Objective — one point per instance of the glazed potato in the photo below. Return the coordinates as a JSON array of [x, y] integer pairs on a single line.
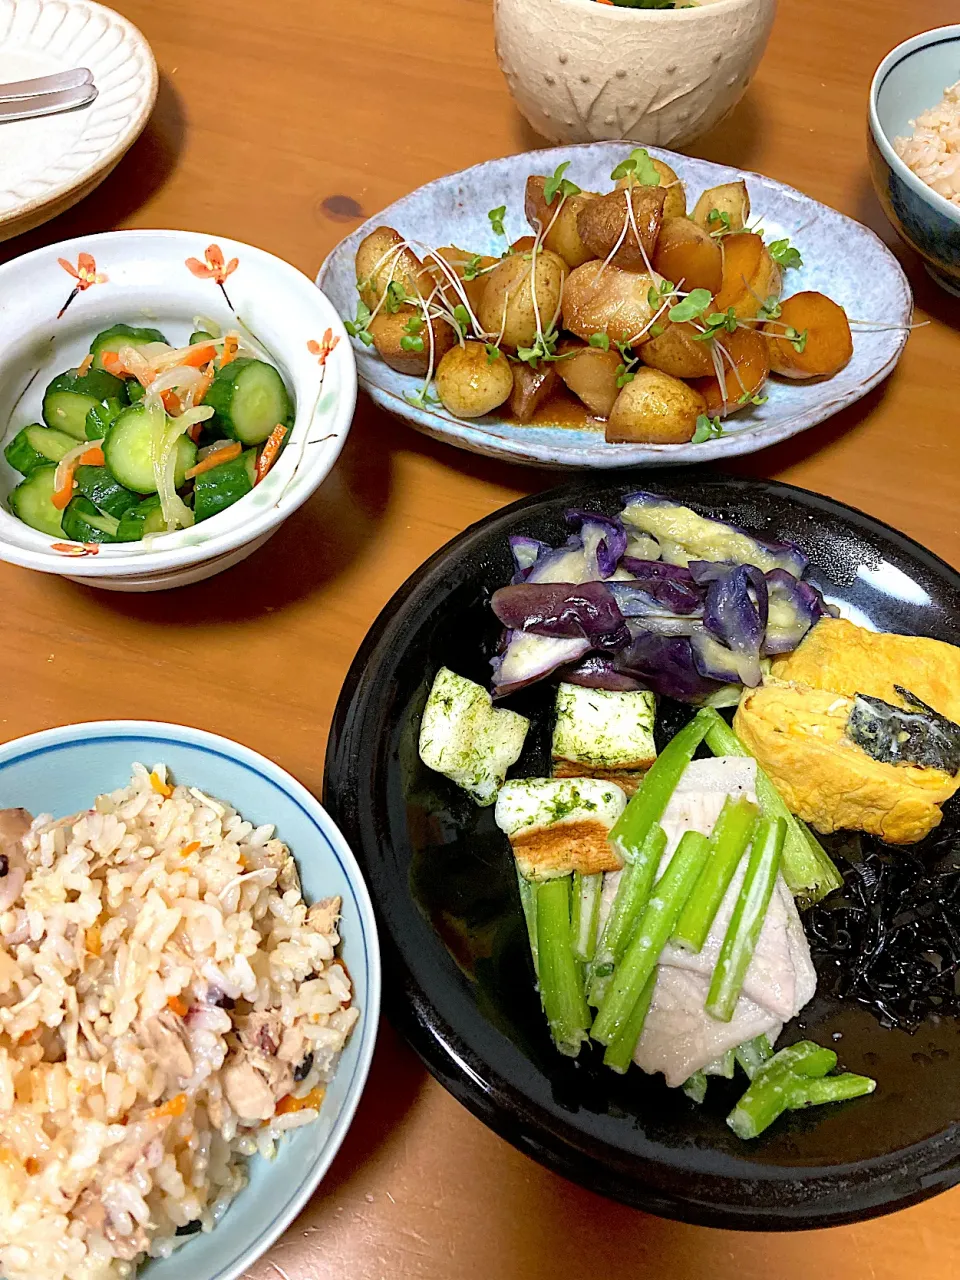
[[531, 387], [469, 383], [675, 203], [598, 299], [388, 332], [746, 349], [730, 198], [750, 275], [686, 254], [507, 304], [563, 238], [380, 261], [591, 374], [678, 352], [828, 344], [458, 260], [654, 409], [523, 245], [601, 225]]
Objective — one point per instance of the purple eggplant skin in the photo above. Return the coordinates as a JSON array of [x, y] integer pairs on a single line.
[[666, 665], [794, 608], [526, 658], [598, 671], [563, 610], [526, 552], [604, 534], [670, 584]]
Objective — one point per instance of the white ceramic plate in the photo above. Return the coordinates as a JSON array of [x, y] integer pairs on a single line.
[[47, 165], [840, 258]]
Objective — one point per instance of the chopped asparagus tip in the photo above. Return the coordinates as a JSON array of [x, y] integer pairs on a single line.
[[771, 1090], [813, 1093], [633, 894], [619, 1054], [656, 925], [728, 843], [746, 922], [753, 1054], [528, 900], [696, 1087], [586, 915], [561, 988]]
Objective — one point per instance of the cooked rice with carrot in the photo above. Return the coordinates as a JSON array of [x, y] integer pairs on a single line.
[[933, 149], [169, 1006]]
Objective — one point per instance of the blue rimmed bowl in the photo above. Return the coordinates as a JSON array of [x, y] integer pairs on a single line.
[[61, 771], [910, 80]]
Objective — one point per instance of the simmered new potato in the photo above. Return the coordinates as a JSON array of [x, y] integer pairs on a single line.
[[747, 349], [599, 299], [675, 202], [470, 384], [677, 351], [517, 291], [730, 199], [606, 221], [828, 344], [388, 332], [750, 275], [458, 260], [591, 374], [531, 387], [654, 409], [563, 237], [686, 255], [380, 260]]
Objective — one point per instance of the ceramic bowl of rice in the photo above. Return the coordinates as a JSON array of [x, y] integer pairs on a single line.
[[188, 1002], [914, 147]]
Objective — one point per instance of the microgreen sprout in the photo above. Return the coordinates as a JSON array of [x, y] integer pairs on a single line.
[[493, 352], [473, 268], [411, 340], [422, 398], [496, 217], [461, 317], [691, 307], [797, 339], [707, 429], [656, 294], [752, 397], [600, 340], [717, 322], [784, 254], [395, 297], [559, 183], [770, 308], [639, 168], [544, 348], [625, 372], [719, 223], [357, 328]]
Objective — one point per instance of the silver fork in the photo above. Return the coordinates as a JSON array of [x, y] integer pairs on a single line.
[[47, 95]]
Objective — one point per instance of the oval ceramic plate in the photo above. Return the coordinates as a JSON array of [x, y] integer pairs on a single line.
[[459, 980], [840, 258], [48, 164]]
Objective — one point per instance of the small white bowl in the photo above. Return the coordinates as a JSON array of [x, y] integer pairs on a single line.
[[586, 72], [47, 320]]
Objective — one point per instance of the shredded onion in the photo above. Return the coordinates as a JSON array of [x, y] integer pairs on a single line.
[[217, 445], [135, 363], [181, 379], [66, 463], [171, 357], [203, 324]]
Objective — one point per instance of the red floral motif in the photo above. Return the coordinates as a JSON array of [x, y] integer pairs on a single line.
[[214, 267], [85, 273], [75, 548], [322, 349]]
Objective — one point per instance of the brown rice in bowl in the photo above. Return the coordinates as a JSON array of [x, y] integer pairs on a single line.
[[169, 1006], [933, 149]]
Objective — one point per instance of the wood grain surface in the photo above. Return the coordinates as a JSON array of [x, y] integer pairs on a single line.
[[284, 125]]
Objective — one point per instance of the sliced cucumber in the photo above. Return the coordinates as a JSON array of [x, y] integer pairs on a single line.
[[71, 396], [32, 502], [200, 335], [135, 392], [82, 522], [97, 484], [221, 487], [146, 517], [249, 399], [36, 445], [102, 417], [121, 335], [129, 448]]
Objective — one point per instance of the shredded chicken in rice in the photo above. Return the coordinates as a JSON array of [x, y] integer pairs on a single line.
[[169, 1005]]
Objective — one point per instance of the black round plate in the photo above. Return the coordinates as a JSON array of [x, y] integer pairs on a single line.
[[458, 979]]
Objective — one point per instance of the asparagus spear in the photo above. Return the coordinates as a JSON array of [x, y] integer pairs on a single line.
[[753, 1054], [528, 900], [657, 923], [807, 868], [813, 1093], [633, 893], [561, 988], [619, 1054], [586, 914], [747, 919], [724, 1066], [771, 1091], [728, 843], [696, 1087]]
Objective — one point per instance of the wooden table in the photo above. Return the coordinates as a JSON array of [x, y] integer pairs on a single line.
[[286, 124]]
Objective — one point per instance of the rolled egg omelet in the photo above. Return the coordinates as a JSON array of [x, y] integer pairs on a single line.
[[796, 726]]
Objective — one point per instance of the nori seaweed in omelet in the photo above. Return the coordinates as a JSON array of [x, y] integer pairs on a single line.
[[915, 734]]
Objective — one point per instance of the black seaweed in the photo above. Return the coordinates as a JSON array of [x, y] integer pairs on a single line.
[[4, 865], [303, 1068], [890, 938], [896, 735], [190, 1229]]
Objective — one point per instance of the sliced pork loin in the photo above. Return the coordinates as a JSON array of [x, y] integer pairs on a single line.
[[679, 1036]]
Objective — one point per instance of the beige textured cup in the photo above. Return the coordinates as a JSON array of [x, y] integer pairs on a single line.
[[582, 72]]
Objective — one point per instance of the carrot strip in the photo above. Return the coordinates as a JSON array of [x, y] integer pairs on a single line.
[[231, 345], [198, 356], [92, 458], [174, 1107], [289, 1103], [204, 387], [160, 787], [85, 364], [92, 940], [111, 362], [270, 451], [176, 1005], [171, 402], [187, 849], [62, 496], [215, 459]]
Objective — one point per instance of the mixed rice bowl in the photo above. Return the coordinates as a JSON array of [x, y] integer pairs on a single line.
[[169, 1006], [933, 149]]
